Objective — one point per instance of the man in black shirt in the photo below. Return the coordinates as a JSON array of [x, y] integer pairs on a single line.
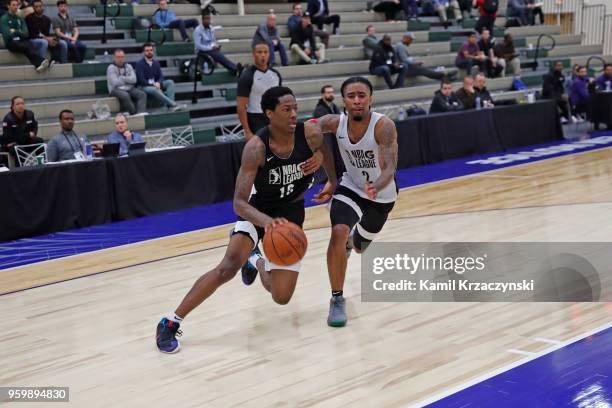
[[553, 87], [319, 10], [19, 127], [303, 44], [445, 100], [482, 92], [486, 45], [39, 27], [385, 63], [252, 84], [326, 105]]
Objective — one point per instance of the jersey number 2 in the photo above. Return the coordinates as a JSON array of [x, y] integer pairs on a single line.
[[366, 175], [286, 192]]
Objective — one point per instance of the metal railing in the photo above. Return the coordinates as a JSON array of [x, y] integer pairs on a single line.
[[105, 14], [204, 65]]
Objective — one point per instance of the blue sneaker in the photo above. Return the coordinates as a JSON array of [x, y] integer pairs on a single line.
[[249, 271], [337, 312], [167, 331]]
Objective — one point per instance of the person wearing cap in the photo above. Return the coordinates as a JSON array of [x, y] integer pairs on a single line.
[[416, 68], [384, 63], [303, 44], [205, 42]]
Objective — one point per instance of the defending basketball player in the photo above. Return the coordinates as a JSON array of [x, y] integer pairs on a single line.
[[367, 191], [277, 167]]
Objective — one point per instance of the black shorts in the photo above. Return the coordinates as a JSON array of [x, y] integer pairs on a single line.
[[293, 212], [349, 208]]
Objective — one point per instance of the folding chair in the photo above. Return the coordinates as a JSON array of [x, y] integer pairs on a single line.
[[27, 155]]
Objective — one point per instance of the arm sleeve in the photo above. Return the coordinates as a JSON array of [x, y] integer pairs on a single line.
[[112, 76], [52, 152], [130, 74], [245, 82]]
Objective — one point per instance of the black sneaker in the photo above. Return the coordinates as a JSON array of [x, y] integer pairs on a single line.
[[167, 331], [249, 271]]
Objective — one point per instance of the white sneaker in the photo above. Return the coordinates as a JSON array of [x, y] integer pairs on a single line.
[[43, 66], [563, 120]]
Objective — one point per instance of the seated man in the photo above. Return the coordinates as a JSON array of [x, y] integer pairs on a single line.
[[604, 81], [121, 79], [553, 87], [445, 100], [19, 127], [67, 145], [123, 135], [166, 18], [303, 44], [469, 55], [39, 27], [442, 6], [389, 7], [150, 79], [296, 17], [370, 42], [319, 11], [384, 63], [267, 33], [66, 29], [482, 92], [15, 35], [206, 43], [580, 95], [506, 54], [486, 45], [519, 9], [416, 68], [467, 95]]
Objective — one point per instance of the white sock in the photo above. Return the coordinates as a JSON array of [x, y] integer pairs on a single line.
[[254, 258], [174, 318]]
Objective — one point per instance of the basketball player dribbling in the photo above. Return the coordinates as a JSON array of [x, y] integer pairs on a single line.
[[276, 169], [367, 190]]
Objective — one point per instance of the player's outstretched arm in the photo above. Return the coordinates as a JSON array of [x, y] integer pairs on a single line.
[[386, 137], [253, 156], [316, 141]]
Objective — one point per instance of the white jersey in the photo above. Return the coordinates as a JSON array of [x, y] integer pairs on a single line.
[[362, 161]]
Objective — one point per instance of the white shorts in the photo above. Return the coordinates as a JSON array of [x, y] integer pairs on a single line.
[[247, 228]]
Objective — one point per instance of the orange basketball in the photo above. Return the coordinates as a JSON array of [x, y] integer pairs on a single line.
[[285, 244]]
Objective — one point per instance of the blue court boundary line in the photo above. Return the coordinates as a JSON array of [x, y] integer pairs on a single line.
[[447, 393], [63, 244]]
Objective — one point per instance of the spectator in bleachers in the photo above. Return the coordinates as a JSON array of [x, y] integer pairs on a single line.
[[39, 27], [466, 8], [206, 43], [604, 81], [445, 100], [303, 43], [15, 34], [385, 63], [319, 10], [389, 7], [326, 105], [19, 127], [370, 42], [121, 79], [123, 135], [482, 92], [536, 10], [519, 9], [150, 78], [488, 13], [506, 55], [166, 18], [579, 95], [255, 80], [267, 33], [469, 55], [553, 87], [294, 21], [67, 144], [416, 68], [568, 79], [486, 45], [442, 7], [67, 31], [467, 94]]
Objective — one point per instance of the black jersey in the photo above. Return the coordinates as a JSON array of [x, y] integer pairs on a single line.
[[281, 181]]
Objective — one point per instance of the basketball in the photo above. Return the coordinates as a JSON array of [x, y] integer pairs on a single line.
[[285, 244]]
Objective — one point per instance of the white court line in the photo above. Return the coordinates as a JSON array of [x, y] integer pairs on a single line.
[[545, 340], [521, 352], [507, 367]]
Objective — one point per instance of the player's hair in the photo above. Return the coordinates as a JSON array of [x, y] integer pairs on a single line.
[[147, 44], [255, 44], [13, 99], [357, 80], [324, 87], [270, 98], [64, 111]]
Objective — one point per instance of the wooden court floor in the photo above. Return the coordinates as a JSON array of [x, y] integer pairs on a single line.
[[96, 334]]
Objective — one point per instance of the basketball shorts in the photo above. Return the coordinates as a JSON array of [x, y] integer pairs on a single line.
[[349, 208], [293, 212]]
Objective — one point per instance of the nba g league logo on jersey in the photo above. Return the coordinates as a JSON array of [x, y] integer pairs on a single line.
[[286, 174], [361, 159]]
